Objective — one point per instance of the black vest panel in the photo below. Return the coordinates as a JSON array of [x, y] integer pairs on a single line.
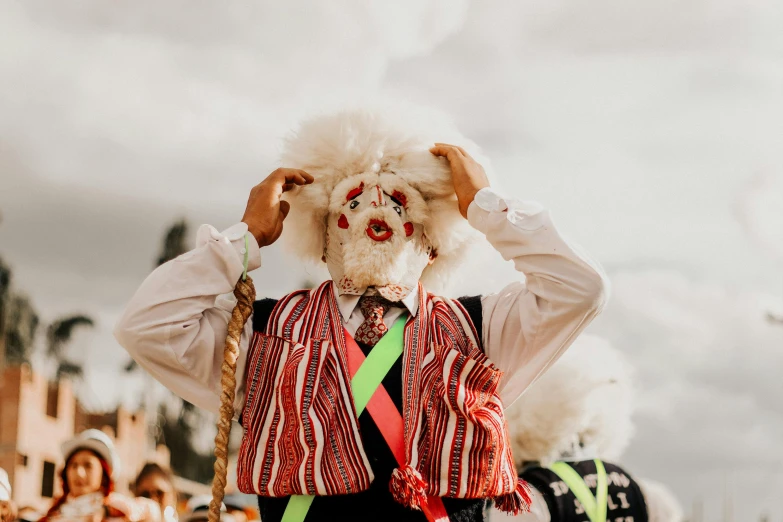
[[625, 502]]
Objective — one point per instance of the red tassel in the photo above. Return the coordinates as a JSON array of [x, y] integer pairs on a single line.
[[407, 487], [517, 501]]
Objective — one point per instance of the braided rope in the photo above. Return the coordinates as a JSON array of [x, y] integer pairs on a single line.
[[245, 293]]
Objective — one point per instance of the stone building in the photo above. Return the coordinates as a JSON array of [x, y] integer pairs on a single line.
[[36, 416]]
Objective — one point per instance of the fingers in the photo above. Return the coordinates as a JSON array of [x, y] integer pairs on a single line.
[[295, 176], [290, 178], [448, 152], [456, 147], [287, 179], [285, 208], [452, 153]]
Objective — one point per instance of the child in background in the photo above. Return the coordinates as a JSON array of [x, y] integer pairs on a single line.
[[91, 465]]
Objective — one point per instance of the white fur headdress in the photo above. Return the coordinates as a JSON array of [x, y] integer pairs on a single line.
[[385, 140], [586, 398]]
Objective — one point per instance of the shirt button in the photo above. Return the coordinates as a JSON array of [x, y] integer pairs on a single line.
[[243, 250]]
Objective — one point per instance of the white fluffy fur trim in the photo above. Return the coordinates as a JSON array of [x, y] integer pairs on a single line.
[[587, 396], [662, 505], [388, 140]]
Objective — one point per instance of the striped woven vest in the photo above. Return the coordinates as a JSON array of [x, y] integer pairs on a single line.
[[301, 429]]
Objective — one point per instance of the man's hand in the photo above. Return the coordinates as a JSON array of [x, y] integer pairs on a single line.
[[265, 211], [467, 175]]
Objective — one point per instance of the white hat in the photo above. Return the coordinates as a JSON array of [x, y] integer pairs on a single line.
[[96, 441], [5, 486]]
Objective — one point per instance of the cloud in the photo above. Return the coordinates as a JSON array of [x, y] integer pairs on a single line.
[[117, 120], [160, 101], [760, 210], [709, 403], [636, 124], [614, 26]]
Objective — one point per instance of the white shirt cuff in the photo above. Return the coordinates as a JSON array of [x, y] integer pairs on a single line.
[[235, 236], [525, 215]]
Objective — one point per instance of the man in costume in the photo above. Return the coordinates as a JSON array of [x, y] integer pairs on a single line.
[[567, 432], [370, 398]]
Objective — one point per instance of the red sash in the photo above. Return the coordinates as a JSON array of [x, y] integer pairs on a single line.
[[389, 421]]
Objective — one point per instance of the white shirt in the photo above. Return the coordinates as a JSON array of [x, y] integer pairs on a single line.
[[175, 325]]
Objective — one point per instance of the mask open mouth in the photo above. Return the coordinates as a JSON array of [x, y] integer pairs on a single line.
[[378, 230]]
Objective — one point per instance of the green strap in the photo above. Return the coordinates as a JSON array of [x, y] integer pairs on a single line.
[[602, 490], [297, 508], [367, 379], [595, 507], [379, 361]]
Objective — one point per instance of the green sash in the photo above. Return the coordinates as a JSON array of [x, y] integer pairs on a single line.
[[363, 385], [595, 507]]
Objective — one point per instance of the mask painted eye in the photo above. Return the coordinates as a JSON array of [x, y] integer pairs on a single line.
[[398, 210], [354, 204]]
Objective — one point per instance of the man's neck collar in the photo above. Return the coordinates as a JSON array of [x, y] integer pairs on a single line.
[[348, 302]]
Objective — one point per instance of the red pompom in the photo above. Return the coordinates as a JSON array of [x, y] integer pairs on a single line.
[[407, 487]]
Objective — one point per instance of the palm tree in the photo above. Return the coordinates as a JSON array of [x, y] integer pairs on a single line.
[[5, 292], [174, 244], [5, 288], [58, 335], [18, 322], [176, 430], [21, 324]]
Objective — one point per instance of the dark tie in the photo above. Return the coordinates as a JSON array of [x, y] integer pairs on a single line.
[[372, 329]]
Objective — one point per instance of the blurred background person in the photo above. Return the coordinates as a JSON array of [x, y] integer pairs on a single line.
[[7, 507], [198, 509], [91, 463], [237, 506], [28, 514], [157, 484], [568, 434]]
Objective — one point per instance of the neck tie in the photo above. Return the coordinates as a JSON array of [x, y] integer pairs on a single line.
[[372, 329]]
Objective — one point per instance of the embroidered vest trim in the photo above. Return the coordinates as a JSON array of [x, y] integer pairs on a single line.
[[301, 428]]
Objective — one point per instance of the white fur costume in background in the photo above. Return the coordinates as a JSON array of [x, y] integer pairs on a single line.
[[580, 409]]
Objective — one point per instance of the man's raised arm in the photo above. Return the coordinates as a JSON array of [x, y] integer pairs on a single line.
[[175, 325]]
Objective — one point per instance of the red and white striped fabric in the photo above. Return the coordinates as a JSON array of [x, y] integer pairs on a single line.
[[301, 428]]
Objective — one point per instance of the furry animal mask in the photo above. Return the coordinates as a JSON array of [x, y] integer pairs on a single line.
[[379, 154]]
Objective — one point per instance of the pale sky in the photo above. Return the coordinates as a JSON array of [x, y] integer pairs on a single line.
[[651, 130]]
